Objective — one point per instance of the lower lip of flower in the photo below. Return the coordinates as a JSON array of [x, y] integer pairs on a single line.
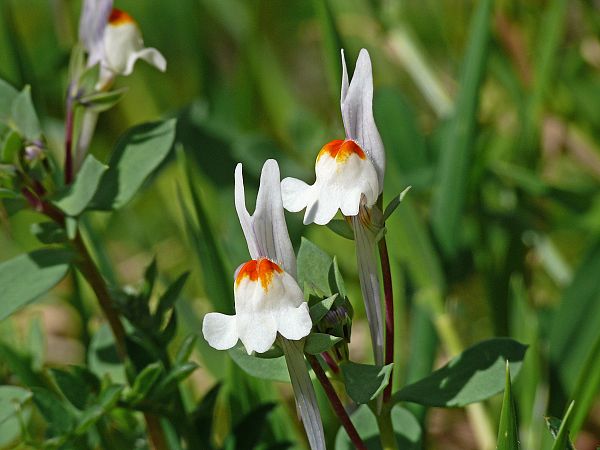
[[261, 269]]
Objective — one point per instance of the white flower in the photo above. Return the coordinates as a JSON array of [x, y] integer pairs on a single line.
[[268, 299], [348, 172], [114, 40]]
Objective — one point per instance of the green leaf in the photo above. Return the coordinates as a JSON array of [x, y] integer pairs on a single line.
[[137, 154], [8, 94], [246, 434], [49, 232], [106, 401], [204, 415], [335, 277], [174, 377], [103, 359], [476, 374], [216, 279], [28, 276], [60, 418], [364, 382], [12, 403], [21, 366], [144, 382], [313, 268], [574, 340], [73, 387], [170, 296], [456, 156], [406, 428], [102, 101], [273, 369], [185, 349], [24, 117], [562, 437], [317, 343], [78, 195], [553, 425], [342, 228], [318, 310], [10, 147], [391, 207], [508, 433]]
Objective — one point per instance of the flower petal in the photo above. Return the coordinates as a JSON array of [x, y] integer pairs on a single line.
[[296, 194], [266, 231], [220, 330], [257, 331], [294, 323], [92, 22], [150, 55], [357, 112]]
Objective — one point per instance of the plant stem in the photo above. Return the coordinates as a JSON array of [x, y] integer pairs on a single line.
[[389, 312], [336, 403], [386, 430], [69, 139], [94, 278]]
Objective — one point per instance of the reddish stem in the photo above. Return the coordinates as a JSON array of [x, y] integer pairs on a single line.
[[330, 362], [389, 312], [69, 141], [336, 403]]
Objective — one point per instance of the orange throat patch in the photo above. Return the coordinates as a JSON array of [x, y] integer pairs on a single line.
[[119, 17], [261, 269], [341, 150]]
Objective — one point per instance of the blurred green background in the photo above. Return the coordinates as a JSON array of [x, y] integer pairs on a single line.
[[492, 115]]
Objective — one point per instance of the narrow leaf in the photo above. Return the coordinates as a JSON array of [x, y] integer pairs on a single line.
[[456, 154], [508, 433], [562, 437]]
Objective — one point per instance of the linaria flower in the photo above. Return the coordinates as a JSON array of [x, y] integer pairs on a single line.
[[113, 39], [269, 304], [265, 290], [349, 177], [350, 171]]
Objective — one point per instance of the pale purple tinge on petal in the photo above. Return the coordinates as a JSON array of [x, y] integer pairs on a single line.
[[369, 284], [92, 22], [220, 330], [266, 231], [357, 112]]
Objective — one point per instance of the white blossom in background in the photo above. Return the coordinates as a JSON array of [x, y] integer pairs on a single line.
[[349, 178], [269, 304], [113, 39]]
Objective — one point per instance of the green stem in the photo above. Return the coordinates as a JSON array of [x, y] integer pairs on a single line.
[[386, 430]]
